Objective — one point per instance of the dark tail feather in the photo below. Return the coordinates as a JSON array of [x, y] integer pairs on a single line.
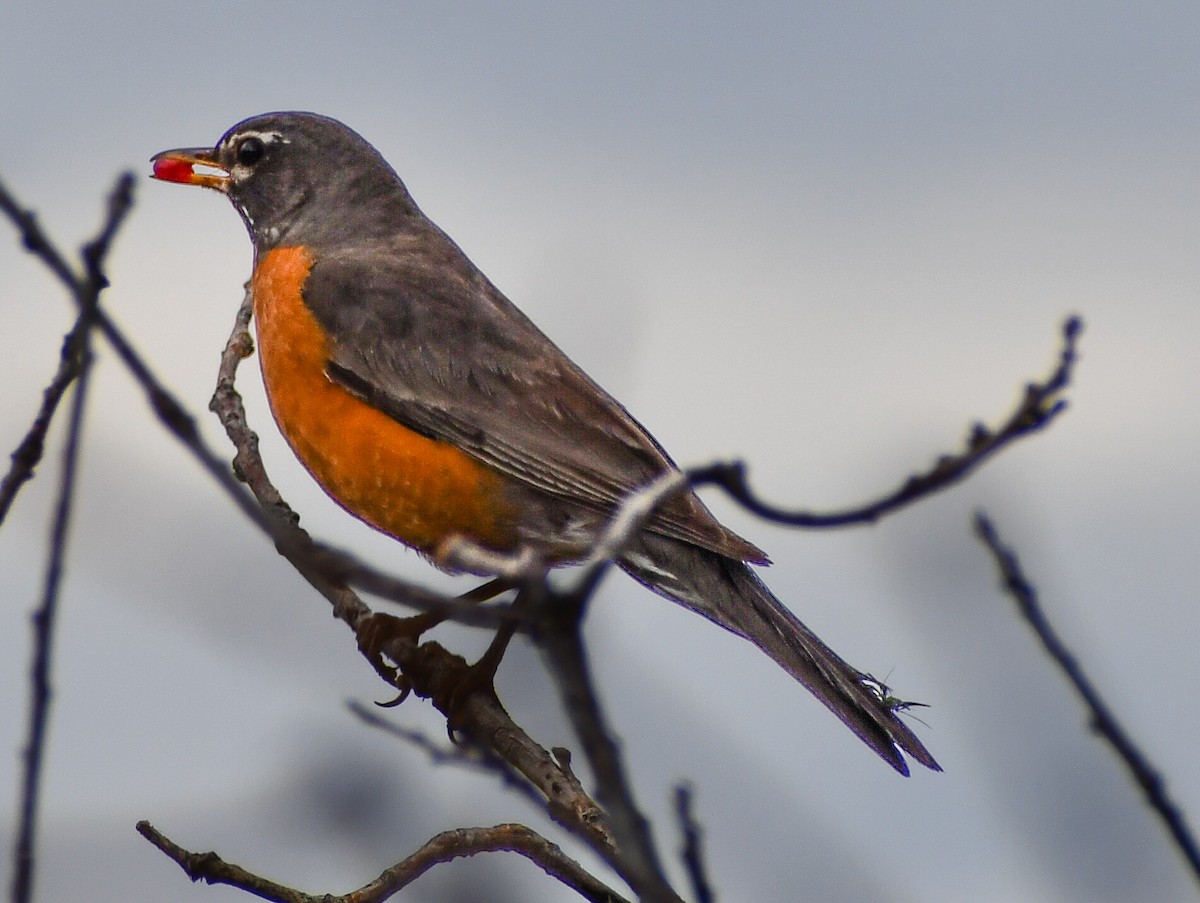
[[728, 592]]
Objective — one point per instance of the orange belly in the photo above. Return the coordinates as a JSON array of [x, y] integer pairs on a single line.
[[416, 489]]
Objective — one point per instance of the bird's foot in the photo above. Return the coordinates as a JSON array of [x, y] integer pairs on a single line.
[[479, 678], [379, 629]]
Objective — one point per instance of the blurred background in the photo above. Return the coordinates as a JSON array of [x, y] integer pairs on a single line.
[[821, 237]]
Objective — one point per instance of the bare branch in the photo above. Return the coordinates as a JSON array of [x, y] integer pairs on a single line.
[[1100, 716], [448, 845], [170, 411], [1040, 404], [626, 523], [554, 618], [95, 252], [469, 841], [212, 869]]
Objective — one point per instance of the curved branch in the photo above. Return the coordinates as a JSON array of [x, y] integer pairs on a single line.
[[449, 845], [1040, 404]]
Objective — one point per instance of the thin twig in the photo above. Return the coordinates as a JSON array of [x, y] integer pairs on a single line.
[[1101, 717], [626, 523], [35, 240], [170, 411], [43, 625], [556, 618], [471, 756], [693, 851], [1040, 404], [29, 451], [212, 869]]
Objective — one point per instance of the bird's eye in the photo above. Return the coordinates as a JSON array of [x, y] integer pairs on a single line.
[[250, 151]]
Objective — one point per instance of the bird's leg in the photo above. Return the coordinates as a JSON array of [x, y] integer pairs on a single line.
[[481, 676], [477, 678]]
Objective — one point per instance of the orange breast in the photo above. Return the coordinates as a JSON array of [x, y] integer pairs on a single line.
[[416, 489]]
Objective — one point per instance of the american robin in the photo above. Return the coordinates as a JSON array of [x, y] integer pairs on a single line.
[[425, 403]]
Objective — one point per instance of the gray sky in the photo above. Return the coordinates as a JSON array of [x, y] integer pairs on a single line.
[[822, 239]]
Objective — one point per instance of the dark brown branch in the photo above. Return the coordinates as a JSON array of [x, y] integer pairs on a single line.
[[212, 869], [1040, 404], [430, 671], [559, 617], [92, 281], [449, 845], [1101, 717]]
